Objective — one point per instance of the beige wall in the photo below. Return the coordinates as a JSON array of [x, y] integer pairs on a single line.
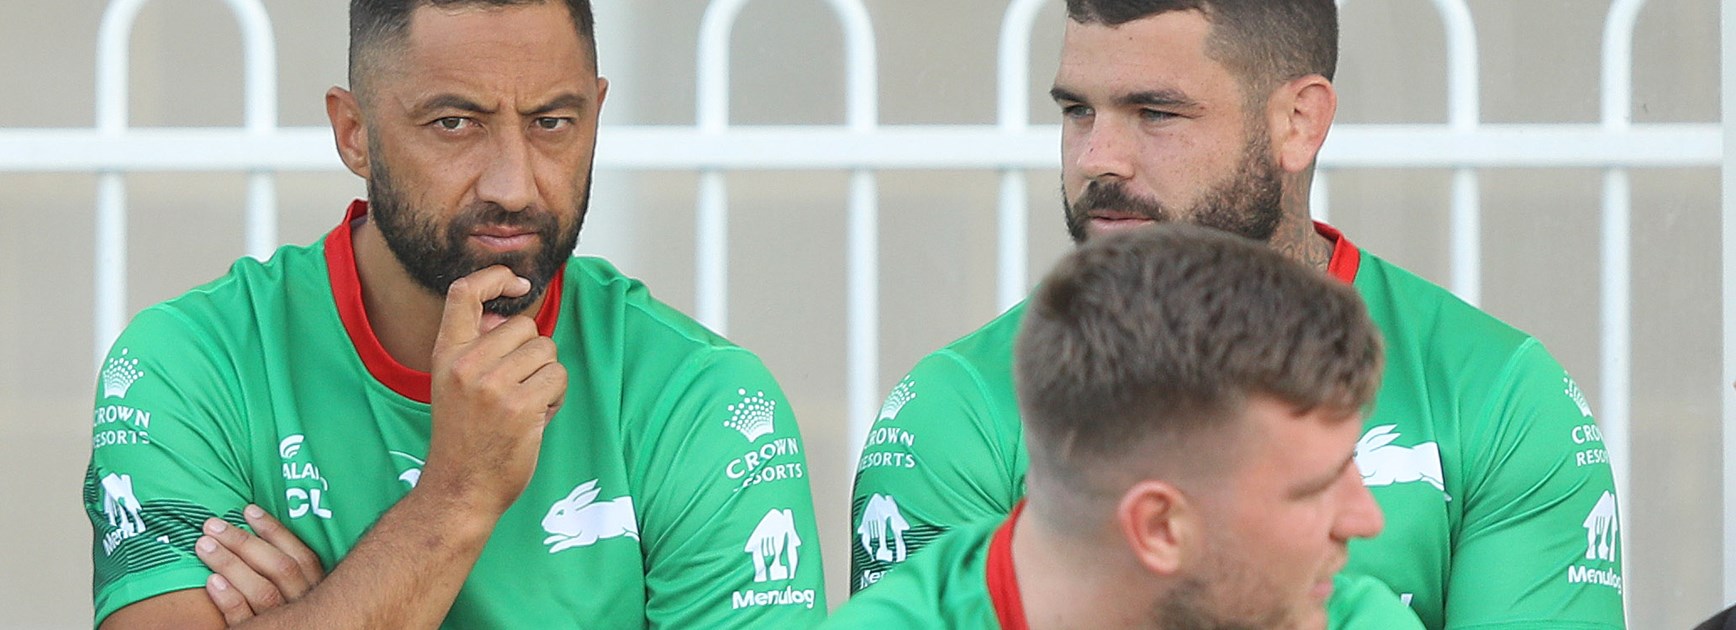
[[937, 234]]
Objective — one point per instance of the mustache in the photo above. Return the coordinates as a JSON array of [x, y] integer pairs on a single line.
[[490, 213], [1115, 198]]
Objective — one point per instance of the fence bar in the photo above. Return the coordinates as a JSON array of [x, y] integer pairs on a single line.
[[1320, 196], [890, 147], [711, 242], [1014, 96], [1727, 53], [259, 47], [111, 193], [862, 115], [1616, 368], [1464, 114]]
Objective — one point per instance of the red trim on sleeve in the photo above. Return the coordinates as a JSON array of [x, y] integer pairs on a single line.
[[1003, 579], [1346, 257], [347, 290]]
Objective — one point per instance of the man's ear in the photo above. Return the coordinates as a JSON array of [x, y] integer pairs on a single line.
[[1299, 115], [1158, 524], [351, 135], [602, 93]]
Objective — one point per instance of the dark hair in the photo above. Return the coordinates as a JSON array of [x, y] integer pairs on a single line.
[[376, 23], [1264, 42], [1162, 335]]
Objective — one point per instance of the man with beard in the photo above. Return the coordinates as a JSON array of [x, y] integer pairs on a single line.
[[1194, 401], [436, 403], [1480, 447]]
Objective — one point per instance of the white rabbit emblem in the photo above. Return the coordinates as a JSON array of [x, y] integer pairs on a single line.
[[1384, 463], [578, 522]]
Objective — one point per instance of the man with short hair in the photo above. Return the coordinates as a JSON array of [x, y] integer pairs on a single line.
[[1193, 400], [1482, 450], [464, 424]]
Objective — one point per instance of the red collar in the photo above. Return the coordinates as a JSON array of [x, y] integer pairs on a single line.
[[1003, 579], [1346, 258], [347, 290]]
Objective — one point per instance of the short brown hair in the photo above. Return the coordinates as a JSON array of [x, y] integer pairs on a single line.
[[1264, 42], [376, 24], [1162, 335]]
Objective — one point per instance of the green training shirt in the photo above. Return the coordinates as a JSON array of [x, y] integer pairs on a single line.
[[1483, 453], [966, 580], [671, 489]]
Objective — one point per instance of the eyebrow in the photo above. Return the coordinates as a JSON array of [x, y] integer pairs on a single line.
[[1147, 98], [563, 101], [450, 101], [1322, 482]]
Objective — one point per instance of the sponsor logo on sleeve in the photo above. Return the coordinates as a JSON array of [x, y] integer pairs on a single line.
[[1588, 446], [122, 509], [901, 395], [898, 442], [881, 534], [774, 549], [753, 416], [1576, 395], [1383, 463], [119, 374], [307, 492], [1602, 546], [580, 521], [116, 423]]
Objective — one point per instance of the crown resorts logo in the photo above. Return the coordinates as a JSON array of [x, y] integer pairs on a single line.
[[1573, 392], [752, 416], [895, 401], [119, 374]]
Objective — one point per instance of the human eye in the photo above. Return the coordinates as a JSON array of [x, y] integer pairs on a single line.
[[1155, 115], [1076, 111], [553, 123], [453, 123]]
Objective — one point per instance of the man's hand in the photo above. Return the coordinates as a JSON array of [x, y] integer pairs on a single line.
[[255, 572], [496, 385]]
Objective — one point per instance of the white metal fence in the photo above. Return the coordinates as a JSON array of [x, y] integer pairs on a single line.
[[862, 146]]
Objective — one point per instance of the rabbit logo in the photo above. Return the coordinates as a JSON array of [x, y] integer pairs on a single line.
[[1385, 464], [578, 522]]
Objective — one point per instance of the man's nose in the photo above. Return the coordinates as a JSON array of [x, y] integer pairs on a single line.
[[1361, 516], [509, 179], [1107, 152]]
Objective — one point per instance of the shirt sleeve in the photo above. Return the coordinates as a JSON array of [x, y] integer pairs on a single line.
[[728, 523], [1540, 544], [161, 461], [940, 454], [1364, 603]]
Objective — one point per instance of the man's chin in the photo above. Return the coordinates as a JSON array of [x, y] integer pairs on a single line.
[[510, 306]]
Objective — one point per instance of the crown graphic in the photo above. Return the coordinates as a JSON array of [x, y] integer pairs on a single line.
[[896, 400], [119, 374], [1577, 395], [752, 416]]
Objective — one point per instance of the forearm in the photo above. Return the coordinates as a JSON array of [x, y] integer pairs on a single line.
[[404, 573]]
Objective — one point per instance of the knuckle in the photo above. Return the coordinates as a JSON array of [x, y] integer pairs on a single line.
[[521, 325], [458, 288], [282, 566], [271, 598]]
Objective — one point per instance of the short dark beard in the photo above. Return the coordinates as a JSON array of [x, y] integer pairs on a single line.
[[435, 260], [1189, 607], [1249, 203]]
